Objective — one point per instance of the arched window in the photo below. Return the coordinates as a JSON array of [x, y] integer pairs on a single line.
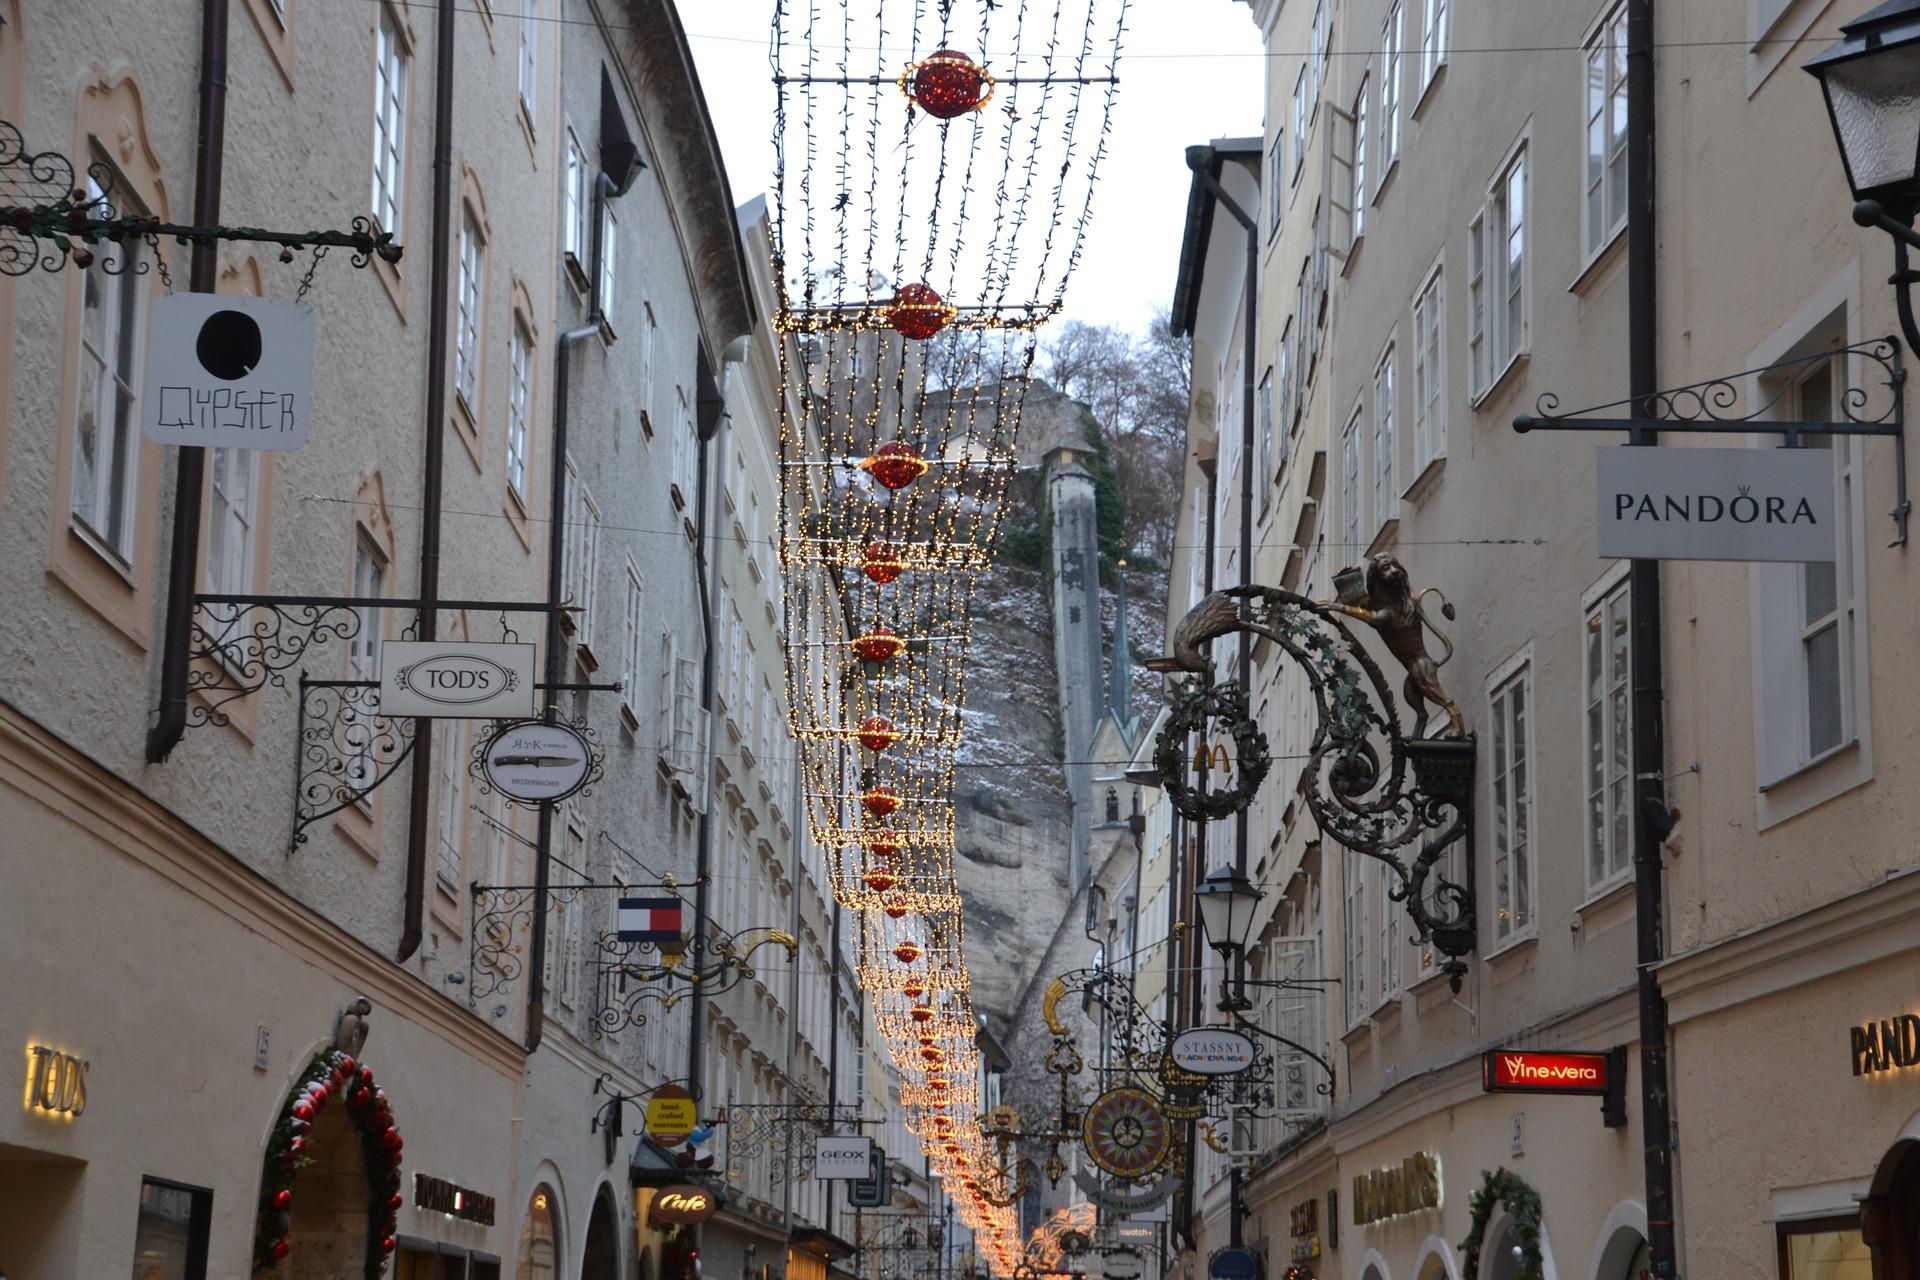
[[539, 1238], [1113, 805]]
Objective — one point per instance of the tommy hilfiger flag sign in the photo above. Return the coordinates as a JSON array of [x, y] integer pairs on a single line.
[[649, 920]]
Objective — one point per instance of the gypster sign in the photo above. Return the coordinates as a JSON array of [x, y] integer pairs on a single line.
[[1716, 504]]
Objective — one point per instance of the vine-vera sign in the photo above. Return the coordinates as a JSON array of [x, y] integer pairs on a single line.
[[1715, 504], [1526, 1071]]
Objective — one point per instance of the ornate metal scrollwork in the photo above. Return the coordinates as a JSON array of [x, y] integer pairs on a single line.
[[580, 724], [782, 1131], [1195, 707], [347, 749], [632, 975], [240, 646], [502, 918], [1385, 793]]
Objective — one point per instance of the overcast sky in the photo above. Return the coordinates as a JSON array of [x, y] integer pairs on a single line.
[[1190, 71]]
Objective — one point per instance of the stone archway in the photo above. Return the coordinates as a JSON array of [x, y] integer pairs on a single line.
[[327, 1238], [1890, 1215], [601, 1259]]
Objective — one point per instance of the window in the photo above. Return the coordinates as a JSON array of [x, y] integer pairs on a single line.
[[566, 955], [1360, 161], [1284, 353], [233, 509], [1317, 53], [450, 751], [1265, 477], [466, 340], [390, 69], [1606, 204], [1390, 940], [1497, 277], [1390, 74], [648, 332], [1276, 165], [529, 55], [1608, 735], [573, 228], [1433, 40], [1386, 445], [1825, 615], [106, 445], [582, 556], [1356, 932], [1824, 1249], [519, 408], [609, 256], [1512, 780], [630, 643], [363, 656], [172, 1231], [539, 1241], [1429, 375], [1350, 491], [685, 452], [1299, 122]]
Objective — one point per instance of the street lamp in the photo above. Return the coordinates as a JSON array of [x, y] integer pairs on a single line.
[[1869, 78], [1226, 900]]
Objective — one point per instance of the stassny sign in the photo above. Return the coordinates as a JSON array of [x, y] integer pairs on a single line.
[[1716, 504]]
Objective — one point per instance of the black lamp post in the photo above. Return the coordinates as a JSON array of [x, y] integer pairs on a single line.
[[1869, 78], [1227, 899]]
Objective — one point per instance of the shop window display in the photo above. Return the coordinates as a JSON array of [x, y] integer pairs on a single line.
[[1827, 1249], [170, 1239]]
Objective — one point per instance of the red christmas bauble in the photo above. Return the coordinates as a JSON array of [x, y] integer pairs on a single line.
[[282, 1199], [386, 1245], [396, 1201], [391, 1140], [921, 1013], [395, 1159], [296, 1146], [881, 842], [938, 1082], [913, 988], [949, 84], [933, 1053], [880, 881], [360, 1097], [918, 312], [347, 1064], [883, 562], [907, 952], [880, 801], [895, 911], [303, 1109], [877, 733], [279, 1249], [877, 645], [896, 464], [366, 1076]]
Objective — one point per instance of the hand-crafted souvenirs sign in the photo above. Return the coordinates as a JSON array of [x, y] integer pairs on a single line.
[[682, 1205], [1410, 1187], [1212, 1051], [1525, 1071], [228, 372], [1887, 1045], [455, 679], [671, 1115], [1716, 504]]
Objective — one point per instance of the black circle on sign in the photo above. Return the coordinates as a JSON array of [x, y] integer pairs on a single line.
[[229, 345]]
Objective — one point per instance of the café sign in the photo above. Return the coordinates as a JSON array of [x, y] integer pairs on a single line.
[[1212, 1051], [1412, 1186], [1716, 504], [682, 1205]]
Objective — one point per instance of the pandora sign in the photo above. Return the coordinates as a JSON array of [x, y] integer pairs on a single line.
[[1716, 504]]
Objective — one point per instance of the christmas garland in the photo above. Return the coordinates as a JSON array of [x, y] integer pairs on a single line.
[[331, 1075], [1523, 1203]]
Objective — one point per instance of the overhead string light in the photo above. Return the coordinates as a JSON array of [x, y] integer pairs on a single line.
[[933, 178]]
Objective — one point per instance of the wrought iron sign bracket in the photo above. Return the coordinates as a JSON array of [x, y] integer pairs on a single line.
[[1715, 407], [500, 913]]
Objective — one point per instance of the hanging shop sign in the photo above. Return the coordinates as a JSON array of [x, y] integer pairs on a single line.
[[843, 1157], [1303, 1225], [1716, 504], [437, 1195], [455, 679], [1126, 1133], [1212, 1051], [1122, 1264], [1891, 1045], [1136, 1232], [1525, 1071], [671, 1115], [536, 761], [1116, 1201], [682, 1205], [1412, 1186], [653, 920], [227, 372], [56, 1082], [1233, 1264]]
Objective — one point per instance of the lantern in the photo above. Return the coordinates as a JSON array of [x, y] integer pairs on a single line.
[[877, 733], [918, 312], [896, 465], [947, 84], [877, 645], [882, 562]]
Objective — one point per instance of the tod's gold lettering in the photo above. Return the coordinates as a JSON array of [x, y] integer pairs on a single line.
[[1410, 1187], [56, 1081]]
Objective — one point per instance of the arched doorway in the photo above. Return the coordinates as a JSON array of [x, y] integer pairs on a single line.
[[601, 1261], [1890, 1215], [539, 1238], [327, 1238]]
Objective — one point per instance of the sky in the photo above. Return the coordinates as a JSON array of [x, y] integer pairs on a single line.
[[1190, 71]]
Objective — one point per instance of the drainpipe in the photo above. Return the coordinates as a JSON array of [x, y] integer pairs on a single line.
[[1652, 822], [420, 797], [190, 468], [604, 189]]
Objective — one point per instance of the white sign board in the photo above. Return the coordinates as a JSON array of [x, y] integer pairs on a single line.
[[536, 761], [228, 372], [842, 1157], [1716, 504], [1212, 1051], [1123, 1264], [456, 679]]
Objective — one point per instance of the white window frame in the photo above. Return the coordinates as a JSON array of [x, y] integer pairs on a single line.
[[1265, 409], [1316, 55], [1511, 770], [451, 744], [1386, 443], [1390, 942], [233, 515], [609, 259], [466, 330], [576, 196], [1276, 189], [1360, 126], [1436, 17], [1352, 501], [529, 67], [581, 556], [631, 631], [1299, 124], [1606, 734], [1430, 372], [109, 392], [370, 569], [519, 407], [1392, 77], [1356, 930], [393, 65], [1499, 270], [1604, 151], [649, 335]]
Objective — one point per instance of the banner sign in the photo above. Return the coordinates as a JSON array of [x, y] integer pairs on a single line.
[[843, 1157], [1212, 1051], [1716, 504], [228, 372], [1138, 1203], [455, 679], [648, 920], [1525, 1071]]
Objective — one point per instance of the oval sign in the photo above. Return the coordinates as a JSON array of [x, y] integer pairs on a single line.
[[457, 679], [535, 761], [1212, 1051], [671, 1115], [1233, 1264], [683, 1205]]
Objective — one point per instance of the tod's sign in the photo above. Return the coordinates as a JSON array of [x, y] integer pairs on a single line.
[[456, 679], [1716, 504]]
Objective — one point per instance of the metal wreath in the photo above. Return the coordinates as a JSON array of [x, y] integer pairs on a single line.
[[1193, 707]]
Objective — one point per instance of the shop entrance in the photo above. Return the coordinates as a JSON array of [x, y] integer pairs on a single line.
[[1890, 1215], [602, 1258], [328, 1238], [40, 1230]]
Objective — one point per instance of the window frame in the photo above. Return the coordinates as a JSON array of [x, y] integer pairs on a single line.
[[1601, 40], [608, 271], [392, 89], [1299, 126], [1392, 77], [1829, 1224], [116, 374], [1355, 922], [1516, 673], [1436, 18], [199, 1224], [519, 431], [1353, 470], [1498, 289], [1360, 128], [528, 65], [1430, 400], [575, 202], [1599, 606], [1386, 443], [1276, 189], [470, 285]]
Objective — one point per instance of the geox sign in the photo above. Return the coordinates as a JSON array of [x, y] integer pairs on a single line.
[[1716, 504]]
